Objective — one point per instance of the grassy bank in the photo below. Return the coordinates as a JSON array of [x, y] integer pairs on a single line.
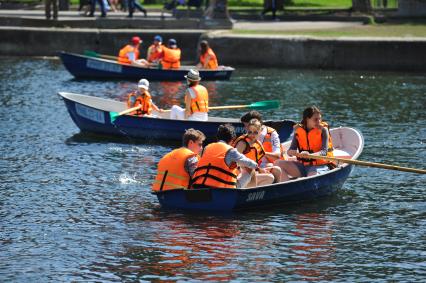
[[377, 30]]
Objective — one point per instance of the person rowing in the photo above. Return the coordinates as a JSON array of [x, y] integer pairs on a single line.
[[196, 100], [141, 97], [311, 136]]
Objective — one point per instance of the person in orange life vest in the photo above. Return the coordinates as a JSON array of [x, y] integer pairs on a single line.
[[176, 167], [311, 136], [217, 167], [196, 100], [250, 146], [129, 54], [171, 55], [268, 137], [142, 97], [155, 51], [208, 59]]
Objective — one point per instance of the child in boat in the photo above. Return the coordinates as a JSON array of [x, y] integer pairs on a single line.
[[141, 97], [251, 147], [311, 136]]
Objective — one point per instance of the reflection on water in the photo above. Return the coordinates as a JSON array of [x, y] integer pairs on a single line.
[[77, 207]]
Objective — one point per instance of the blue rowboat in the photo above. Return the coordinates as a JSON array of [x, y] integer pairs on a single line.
[[348, 143], [92, 114], [81, 66]]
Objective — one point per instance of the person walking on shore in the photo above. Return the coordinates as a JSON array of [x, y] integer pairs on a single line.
[[135, 4], [48, 4], [93, 7]]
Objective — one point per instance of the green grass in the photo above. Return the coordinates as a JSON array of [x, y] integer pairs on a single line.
[[377, 30]]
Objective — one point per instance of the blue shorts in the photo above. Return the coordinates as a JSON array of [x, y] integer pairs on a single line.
[[305, 170]]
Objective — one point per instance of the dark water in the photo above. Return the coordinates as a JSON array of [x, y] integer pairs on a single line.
[[75, 207]]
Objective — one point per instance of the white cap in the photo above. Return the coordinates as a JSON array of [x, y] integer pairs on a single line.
[[143, 83]]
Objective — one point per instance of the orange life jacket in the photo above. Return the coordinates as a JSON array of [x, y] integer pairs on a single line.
[[312, 142], [155, 53], [143, 99], [267, 144], [171, 58], [212, 64], [212, 171], [255, 151], [201, 101], [171, 173], [122, 55]]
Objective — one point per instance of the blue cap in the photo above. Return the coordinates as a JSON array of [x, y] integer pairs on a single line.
[[172, 41], [158, 38]]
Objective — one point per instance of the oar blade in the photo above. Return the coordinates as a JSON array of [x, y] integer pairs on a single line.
[[267, 104], [113, 116], [91, 53]]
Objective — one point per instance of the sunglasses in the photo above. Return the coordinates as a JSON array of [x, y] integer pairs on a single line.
[[252, 132]]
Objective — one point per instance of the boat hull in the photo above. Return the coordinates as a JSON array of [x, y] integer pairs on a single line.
[[90, 117], [81, 66], [224, 200]]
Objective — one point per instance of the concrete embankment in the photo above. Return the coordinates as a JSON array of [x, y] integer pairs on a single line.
[[400, 54]]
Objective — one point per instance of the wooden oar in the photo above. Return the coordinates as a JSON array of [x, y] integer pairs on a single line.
[[91, 53], [114, 115], [267, 104], [362, 163]]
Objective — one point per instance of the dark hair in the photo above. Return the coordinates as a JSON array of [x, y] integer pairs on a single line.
[[308, 113], [253, 114], [226, 132], [204, 46], [192, 135]]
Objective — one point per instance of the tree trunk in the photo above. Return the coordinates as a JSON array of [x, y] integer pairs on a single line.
[[363, 6]]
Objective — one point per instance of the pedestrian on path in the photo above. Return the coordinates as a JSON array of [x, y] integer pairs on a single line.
[[135, 4], [47, 8], [272, 6], [93, 7]]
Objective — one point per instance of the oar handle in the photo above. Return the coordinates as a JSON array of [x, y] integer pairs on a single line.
[[362, 163], [129, 110], [108, 57]]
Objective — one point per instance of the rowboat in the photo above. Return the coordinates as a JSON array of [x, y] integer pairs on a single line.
[[348, 143], [82, 66], [93, 114]]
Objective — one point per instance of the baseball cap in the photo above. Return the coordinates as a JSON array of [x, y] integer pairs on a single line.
[[143, 83], [136, 40], [158, 38], [172, 42]]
